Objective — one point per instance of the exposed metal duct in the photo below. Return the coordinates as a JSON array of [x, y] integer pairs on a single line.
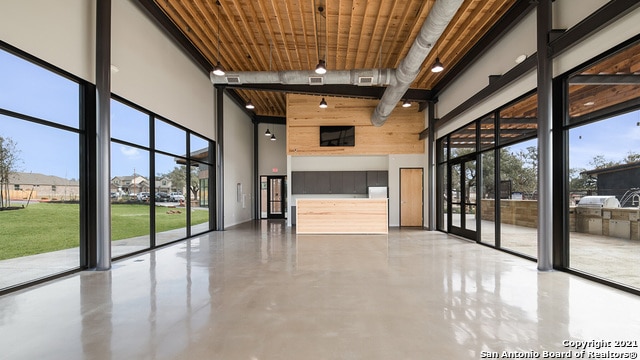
[[362, 77], [439, 17]]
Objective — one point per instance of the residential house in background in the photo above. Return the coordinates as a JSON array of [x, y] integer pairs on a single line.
[[33, 186], [129, 185]]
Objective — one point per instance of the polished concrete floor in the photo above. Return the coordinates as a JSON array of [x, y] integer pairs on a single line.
[[258, 291]]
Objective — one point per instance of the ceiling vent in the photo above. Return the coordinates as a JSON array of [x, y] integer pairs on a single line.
[[365, 80], [233, 79], [316, 80]]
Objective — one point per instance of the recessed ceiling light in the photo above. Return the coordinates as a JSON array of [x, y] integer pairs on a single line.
[[589, 103], [521, 58]]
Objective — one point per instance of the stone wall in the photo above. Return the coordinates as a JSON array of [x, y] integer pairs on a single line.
[[623, 223], [514, 212]]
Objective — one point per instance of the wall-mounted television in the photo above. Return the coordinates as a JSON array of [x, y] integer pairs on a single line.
[[337, 136]]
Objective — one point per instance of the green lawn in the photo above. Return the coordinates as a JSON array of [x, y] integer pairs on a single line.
[[45, 227]]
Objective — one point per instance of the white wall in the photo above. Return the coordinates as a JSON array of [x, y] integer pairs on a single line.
[[238, 164], [156, 74], [60, 32], [272, 154]]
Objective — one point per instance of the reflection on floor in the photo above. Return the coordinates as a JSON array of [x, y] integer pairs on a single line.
[[29, 268], [258, 291]]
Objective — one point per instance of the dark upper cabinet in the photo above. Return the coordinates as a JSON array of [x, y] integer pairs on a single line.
[[335, 180], [310, 182], [383, 178], [360, 182], [322, 182], [348, 182], [297, 182], [377, 178]]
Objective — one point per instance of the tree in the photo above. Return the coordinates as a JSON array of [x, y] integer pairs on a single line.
[[8, 165], [631, 158], [195, 181], [178, 177]]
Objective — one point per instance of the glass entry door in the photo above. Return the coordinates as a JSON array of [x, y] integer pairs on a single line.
[[276, 197], [462, 174]]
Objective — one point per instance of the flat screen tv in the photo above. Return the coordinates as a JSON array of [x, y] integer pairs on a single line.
[[337, 136]]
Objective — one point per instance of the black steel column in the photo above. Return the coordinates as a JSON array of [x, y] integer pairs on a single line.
[[103, 133], [545, 145], [256, 162], [219, 93], [431, 168]]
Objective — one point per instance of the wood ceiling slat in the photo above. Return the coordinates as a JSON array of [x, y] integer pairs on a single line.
[[247, 16], [415, 27], [345, 20], [235, 54], [329, 30], [384, 43], [355, 22], [277, 19], [404, 33], [306, 37], [180, 18], [201, 17], [295, 47], [279, 62], [366, 33]]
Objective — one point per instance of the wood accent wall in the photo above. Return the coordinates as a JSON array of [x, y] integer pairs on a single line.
[[399, 134]]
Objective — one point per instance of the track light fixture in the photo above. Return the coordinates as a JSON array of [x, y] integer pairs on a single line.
[[406, 103], [218, 70], [321, 68], [437, 66], [323, 104], [267, 133], [250, 105]]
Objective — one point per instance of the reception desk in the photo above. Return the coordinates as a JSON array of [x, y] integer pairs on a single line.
[[342, 216]]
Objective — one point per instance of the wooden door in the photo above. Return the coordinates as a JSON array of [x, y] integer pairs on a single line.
[[411, 197]]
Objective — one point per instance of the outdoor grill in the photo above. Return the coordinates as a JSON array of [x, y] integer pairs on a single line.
[[599, 202]]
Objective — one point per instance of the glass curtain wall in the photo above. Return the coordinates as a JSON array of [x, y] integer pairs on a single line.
[[603, 168], [488, 175], [130, 186], [159, 180], [40, 187], [201, 165]]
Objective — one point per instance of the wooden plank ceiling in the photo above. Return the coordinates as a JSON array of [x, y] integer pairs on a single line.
[[275, 35]]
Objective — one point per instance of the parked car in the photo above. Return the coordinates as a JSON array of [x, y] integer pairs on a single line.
[[176, 197], [162, 197], [143, 196]]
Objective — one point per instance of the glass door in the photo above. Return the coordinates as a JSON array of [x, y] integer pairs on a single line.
[[462, 194], [276, 197]]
